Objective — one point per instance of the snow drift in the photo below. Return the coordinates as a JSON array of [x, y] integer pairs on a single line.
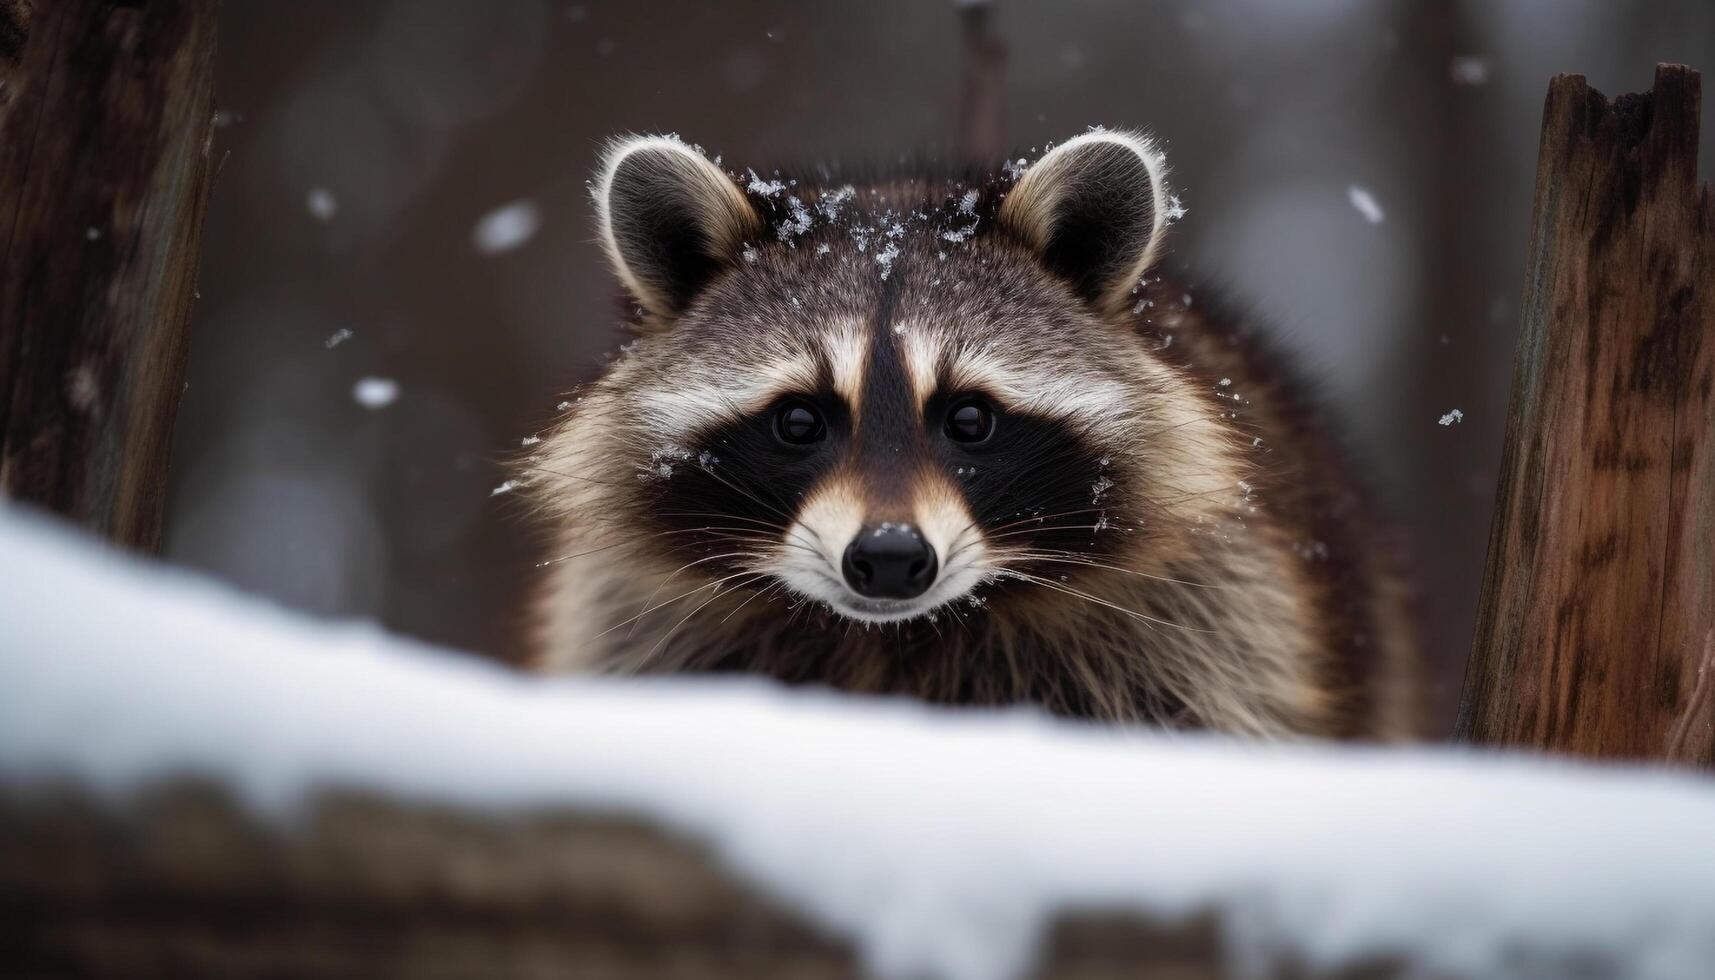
[[941, 843]]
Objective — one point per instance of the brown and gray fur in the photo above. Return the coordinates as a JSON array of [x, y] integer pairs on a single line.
[[1159, 528]]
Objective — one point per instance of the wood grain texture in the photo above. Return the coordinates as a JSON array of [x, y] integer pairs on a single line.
[[1596, 633], [104, 177], [180, 883]]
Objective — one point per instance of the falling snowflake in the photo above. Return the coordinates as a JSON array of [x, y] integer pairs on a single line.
[[322, 204], [506, 227], [1469, 69], [375, 392], [1366, 204]]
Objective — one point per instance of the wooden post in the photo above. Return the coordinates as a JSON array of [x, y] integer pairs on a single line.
[[982, 99], [1596, 633], [105, 125]]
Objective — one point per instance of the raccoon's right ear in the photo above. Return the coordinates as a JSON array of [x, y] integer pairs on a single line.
[[1095, 209], [669, 219]]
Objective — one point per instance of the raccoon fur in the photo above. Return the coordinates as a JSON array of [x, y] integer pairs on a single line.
[[957, 439]]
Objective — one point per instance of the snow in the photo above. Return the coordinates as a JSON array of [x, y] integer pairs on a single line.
[[1366, 204], [505, 487], [322, 204], [959, 235], [1469, 69], [507, 227], [885, 257], [940, 843], [375, 392], [799, 221], [1451, 417], [764, 188], [336, 338], [830, 203]]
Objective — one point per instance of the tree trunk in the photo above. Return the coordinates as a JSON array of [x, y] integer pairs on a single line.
[[105, 122], [1596, 634]]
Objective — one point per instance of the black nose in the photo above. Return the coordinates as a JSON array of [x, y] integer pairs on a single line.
[[889, 561]]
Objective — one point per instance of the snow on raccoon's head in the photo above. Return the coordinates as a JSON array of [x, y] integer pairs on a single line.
[[878, 397]]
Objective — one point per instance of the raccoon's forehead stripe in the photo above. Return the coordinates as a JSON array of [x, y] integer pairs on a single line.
[[712, 394], [922, 350], [845, 348], [935, 362], [1062, 391]]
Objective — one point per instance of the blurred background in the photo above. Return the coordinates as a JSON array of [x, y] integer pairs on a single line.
[[399, 279]]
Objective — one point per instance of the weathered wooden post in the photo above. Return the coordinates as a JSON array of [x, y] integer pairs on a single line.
[[105, 116], [982, 94], [1596, 633]]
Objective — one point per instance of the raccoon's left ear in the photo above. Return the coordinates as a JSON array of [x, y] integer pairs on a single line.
[[1095, 210], [669, 220]]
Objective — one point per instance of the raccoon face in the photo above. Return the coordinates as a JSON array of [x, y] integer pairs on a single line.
[[883, 399]]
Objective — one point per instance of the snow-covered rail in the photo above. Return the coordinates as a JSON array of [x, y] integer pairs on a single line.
[[197, 782]]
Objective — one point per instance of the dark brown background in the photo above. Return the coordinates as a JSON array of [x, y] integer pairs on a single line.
[[419, 117]]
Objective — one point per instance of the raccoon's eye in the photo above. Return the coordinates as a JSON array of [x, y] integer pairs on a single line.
[[799, 424], [970, 419]]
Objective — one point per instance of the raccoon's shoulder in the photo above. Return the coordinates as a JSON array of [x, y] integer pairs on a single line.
[[1237, 354], [1314, 484]]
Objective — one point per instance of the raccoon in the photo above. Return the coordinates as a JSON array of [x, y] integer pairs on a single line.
[[957, 438]]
